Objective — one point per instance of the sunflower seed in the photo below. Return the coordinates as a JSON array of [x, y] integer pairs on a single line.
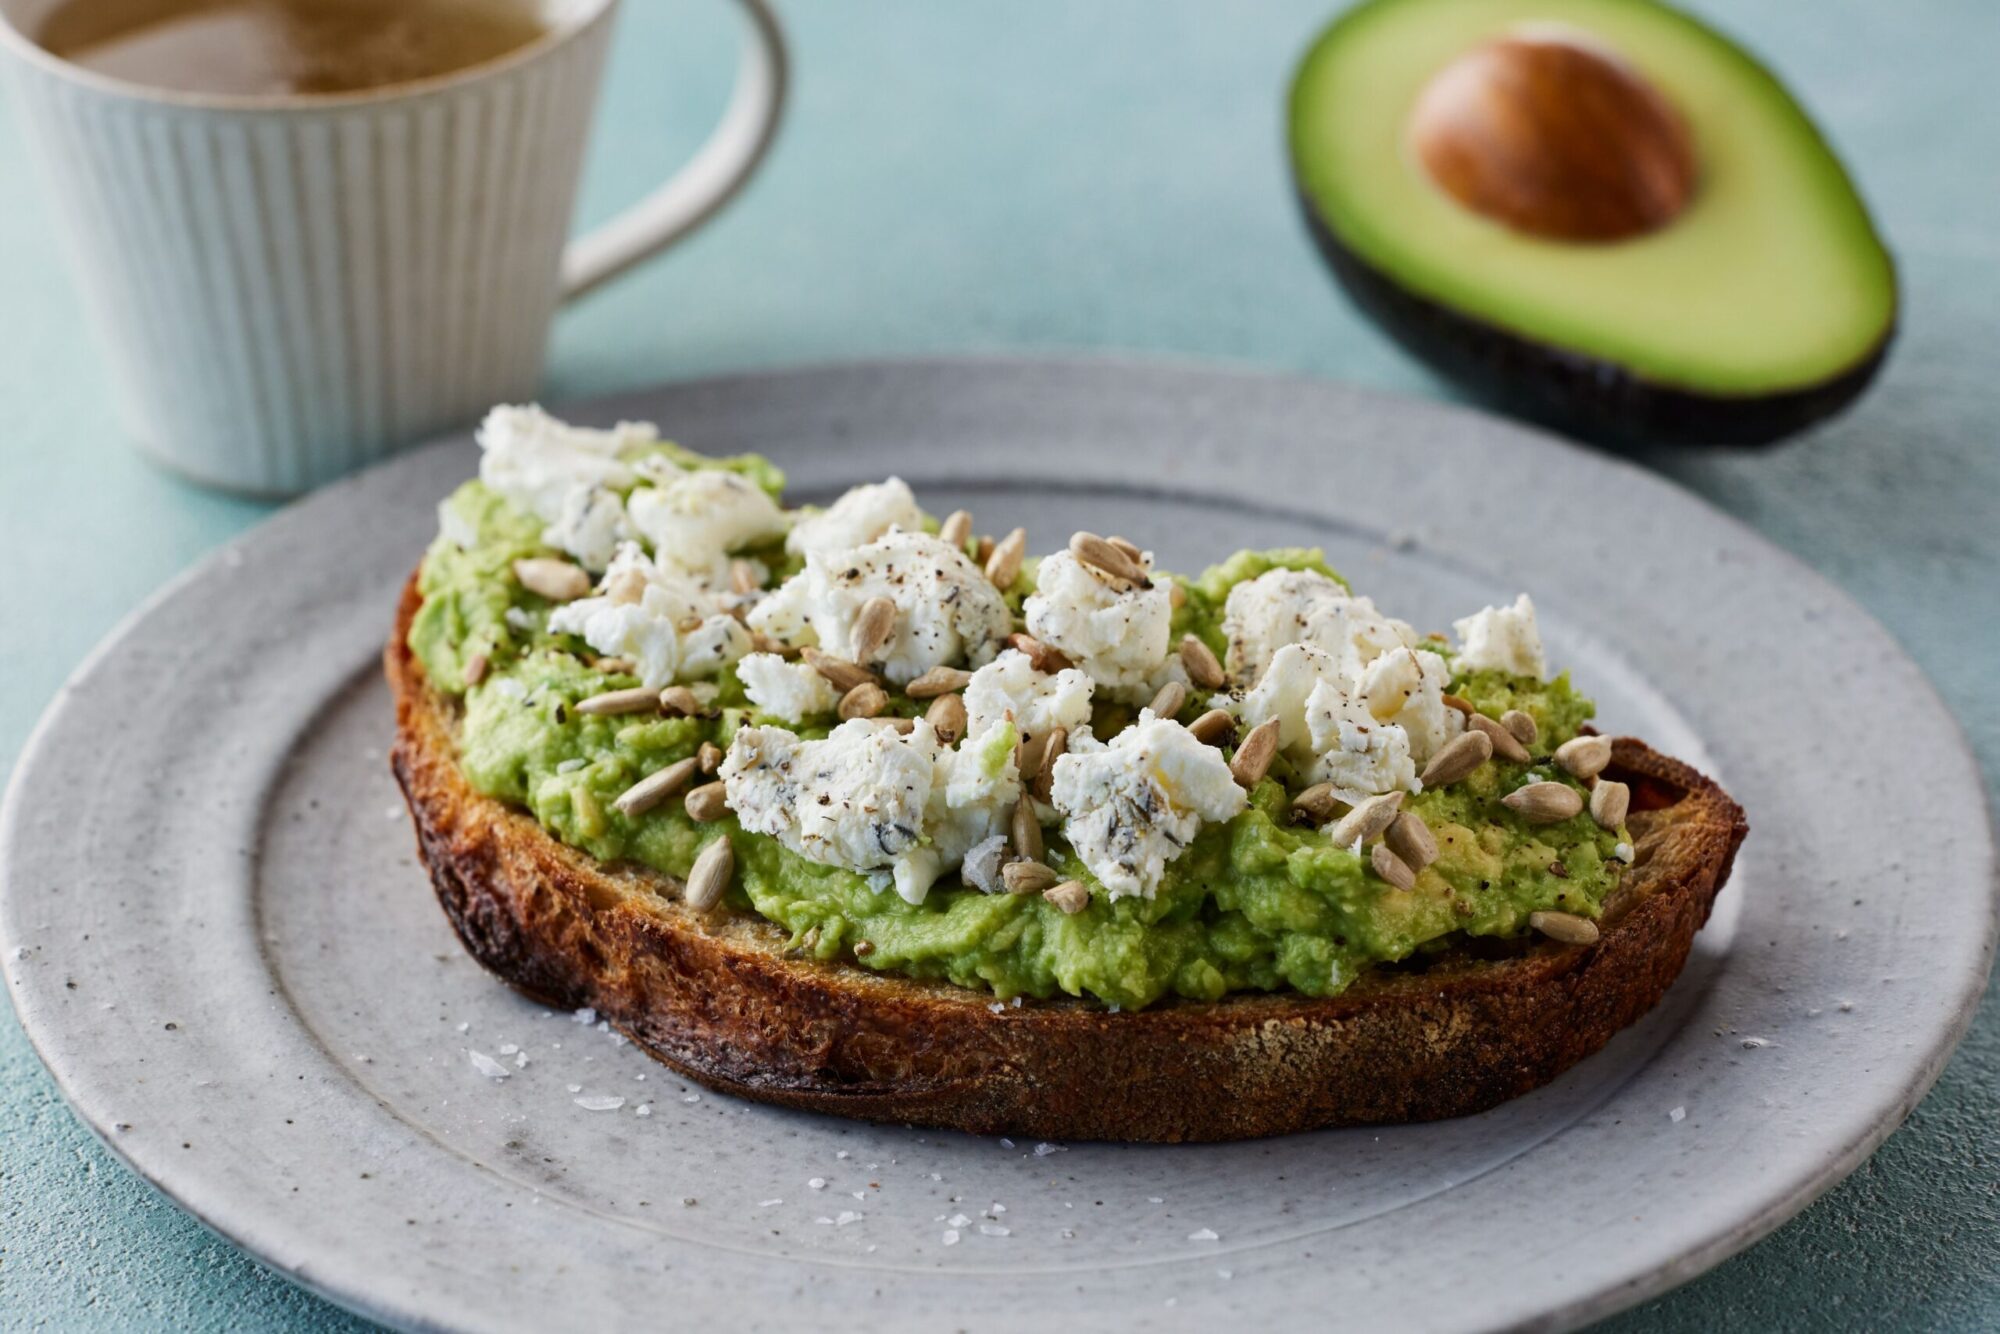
[[1367, 820], [1462, 704], [1027, 877], [639, 699], [874, 627], [1565, 927], [1505, 744], [476, 668], [680, 701], [1004, 566], [956, 530], [1042, 657], [709, 877], [764, 643], [1176, 596], [1392, 868], [1213, 728], [902, 726], [946, 716], [1610, 802], [982, 552], [937, 681], [1104, 559], [556, 580], [1043, 780], [1458, 757], [625, 587], [1521, 726], [1070, 896], [1200, 661], [709, 757], [841, 674], [1027, 830], [708, 803], [1317, 804], [866, 700], [1585, 756], [655, 788], [1253, 758], [863, 948], [1170, 701], [743, 578], [1411, 839], [1543, 803]]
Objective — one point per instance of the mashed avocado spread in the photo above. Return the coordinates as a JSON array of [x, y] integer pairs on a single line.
[[1260, 900]]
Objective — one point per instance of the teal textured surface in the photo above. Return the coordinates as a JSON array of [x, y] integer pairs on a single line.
[[1110, 177]]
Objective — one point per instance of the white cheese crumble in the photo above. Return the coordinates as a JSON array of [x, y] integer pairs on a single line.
[[697, 519], [1326, 729], [659, 620], [1119, 639], [1131, 807], [1405, 686], [899, 808], [860, 516], [1009, 687], [1281, 607], [567, 476], [1503, 639], [946, 609], [792, 691]]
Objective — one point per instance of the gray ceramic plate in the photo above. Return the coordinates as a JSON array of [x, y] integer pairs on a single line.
[[220, 942]]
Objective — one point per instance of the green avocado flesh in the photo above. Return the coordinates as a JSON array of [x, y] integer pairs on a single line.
[[1772, 280], [1257, 903]]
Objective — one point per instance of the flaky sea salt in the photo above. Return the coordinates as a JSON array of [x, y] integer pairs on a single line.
[[486, 1065], [1677, 1115], [599, 1102], [1204, 1234], [951, 1237], [995, 1230]]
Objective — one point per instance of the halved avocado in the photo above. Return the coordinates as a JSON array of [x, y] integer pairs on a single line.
[[1657, 246]]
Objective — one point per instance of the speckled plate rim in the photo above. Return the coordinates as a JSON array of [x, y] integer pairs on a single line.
[[1951, 957]]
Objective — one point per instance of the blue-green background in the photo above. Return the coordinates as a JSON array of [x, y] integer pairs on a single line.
[[1047, 176]]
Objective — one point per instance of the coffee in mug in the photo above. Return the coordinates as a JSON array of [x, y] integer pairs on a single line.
[[276, 48]]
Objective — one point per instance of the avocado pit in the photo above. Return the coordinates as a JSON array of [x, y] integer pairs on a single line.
[[1556, 138]]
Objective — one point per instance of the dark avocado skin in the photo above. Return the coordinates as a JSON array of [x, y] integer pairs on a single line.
[[1592, 400]]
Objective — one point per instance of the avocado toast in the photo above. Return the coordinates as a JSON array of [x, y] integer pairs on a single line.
[[1066, 847]]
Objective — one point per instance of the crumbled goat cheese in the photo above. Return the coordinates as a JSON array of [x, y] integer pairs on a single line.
[[1353, 750], [872, 800], [590, 525], [455, 527], [1504, 639], [946, 609], [792, 691], [1365, 733], [1405, 686], [1134, 805], [563, 475], [1281, 607], [973, 792], [1010, 687], [860, 516], [638, 612], [1120, 639], [696, 520]]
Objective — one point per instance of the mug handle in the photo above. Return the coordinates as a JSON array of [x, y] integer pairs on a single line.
[[711, 178]]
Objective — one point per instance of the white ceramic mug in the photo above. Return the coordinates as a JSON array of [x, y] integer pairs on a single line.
[[289, 287]]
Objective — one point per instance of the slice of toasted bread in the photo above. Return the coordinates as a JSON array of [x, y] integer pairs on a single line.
[[718, 997]]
